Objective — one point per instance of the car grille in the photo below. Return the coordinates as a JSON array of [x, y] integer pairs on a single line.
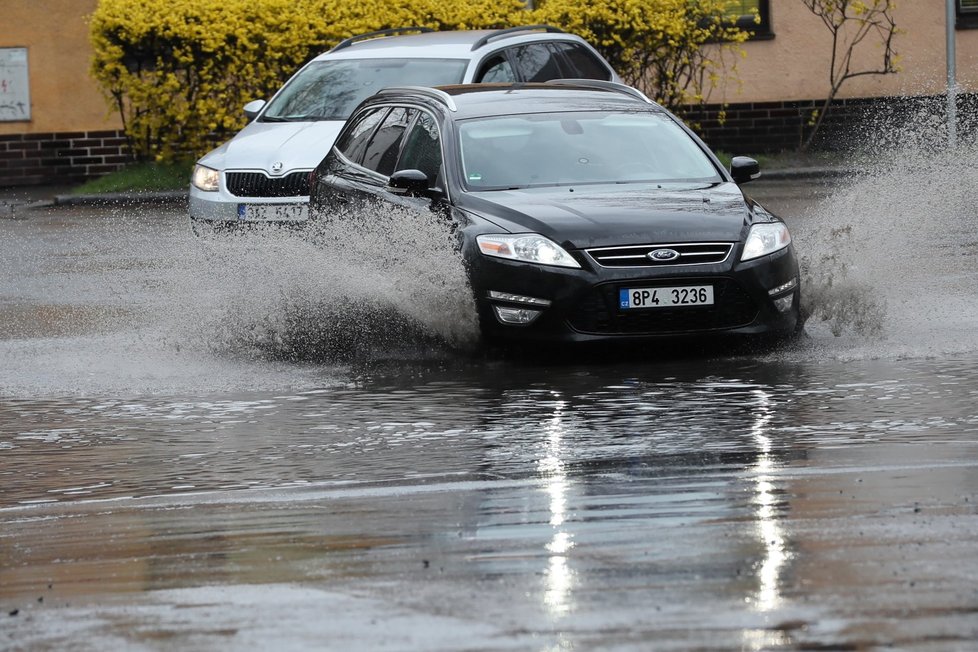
[[696, 253], [259, 184], [598, 313]]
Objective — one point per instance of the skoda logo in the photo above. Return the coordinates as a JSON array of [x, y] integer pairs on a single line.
[[277, 166], [663, 255]]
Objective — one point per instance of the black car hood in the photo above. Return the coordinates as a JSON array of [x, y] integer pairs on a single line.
[[578, 217]]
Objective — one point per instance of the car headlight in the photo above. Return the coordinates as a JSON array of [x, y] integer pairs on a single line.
[[527, 247], [205, 178], [764, 239]]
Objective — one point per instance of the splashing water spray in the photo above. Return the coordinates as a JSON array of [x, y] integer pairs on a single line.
[[890, 254]]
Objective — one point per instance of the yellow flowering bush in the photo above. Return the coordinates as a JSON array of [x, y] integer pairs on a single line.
[[179, 71], [670, 49]]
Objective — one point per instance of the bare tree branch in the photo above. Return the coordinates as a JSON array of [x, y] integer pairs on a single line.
[[851, 22]]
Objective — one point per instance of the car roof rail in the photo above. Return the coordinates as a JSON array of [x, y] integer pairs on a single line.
[[500, 33], [434, 93], [345, 43], [603, 85]]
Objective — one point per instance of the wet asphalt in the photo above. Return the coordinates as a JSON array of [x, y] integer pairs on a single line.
[[176, 472]]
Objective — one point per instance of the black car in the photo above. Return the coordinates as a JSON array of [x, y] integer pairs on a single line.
[[584, 211]]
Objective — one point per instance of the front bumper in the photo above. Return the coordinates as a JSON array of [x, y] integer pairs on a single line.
[[220, 206], [583, 303]]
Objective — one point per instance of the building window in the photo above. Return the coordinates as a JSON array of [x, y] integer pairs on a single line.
[[746, 12], [967, 14]]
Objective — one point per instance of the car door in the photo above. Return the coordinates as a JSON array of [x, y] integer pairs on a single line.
[[422, 151], [577, 61], [363, 162], [497, 68], [339, 174], [533, 62]]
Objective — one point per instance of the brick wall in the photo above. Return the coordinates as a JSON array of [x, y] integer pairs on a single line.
[[770, 127], [59, 158]]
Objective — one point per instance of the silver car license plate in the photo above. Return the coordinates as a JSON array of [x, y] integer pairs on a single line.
[[273, 212]]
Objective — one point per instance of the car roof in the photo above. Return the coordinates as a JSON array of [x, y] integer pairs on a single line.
[[483, 100], [452, 44]]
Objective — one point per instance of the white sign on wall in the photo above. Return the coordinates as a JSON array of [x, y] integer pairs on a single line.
[[15, 91]]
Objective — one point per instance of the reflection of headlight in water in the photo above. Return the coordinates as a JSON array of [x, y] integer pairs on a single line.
[[769, 530], [560, 583], [559, 578]]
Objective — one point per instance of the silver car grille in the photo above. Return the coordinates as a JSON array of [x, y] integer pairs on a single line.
[[688, 253], [259, 184]]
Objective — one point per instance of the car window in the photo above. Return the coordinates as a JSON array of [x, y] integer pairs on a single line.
[[496, 69], [536, 63], [354, 141], [381, 152], [586, 65], [422, 149], [331, 89], [579, 147]]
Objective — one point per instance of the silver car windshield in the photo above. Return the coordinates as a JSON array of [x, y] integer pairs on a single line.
[[330, 90], [580, 147]]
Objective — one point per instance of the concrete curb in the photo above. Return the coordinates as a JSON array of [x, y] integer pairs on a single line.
[[121, 198], [808, 173]]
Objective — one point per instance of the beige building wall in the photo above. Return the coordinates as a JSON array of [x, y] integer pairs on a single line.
[[64, 97], [794, 65], [791, 66]]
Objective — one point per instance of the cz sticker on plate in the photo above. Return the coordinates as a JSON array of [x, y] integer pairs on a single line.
[[688, 295]]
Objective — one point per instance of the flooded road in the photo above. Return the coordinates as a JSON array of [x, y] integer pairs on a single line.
[[203, 445]]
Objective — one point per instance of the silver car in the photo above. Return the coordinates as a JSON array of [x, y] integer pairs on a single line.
[[262, 173]]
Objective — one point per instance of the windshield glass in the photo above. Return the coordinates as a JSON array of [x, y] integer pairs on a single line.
[[330, 90], [580, 147]]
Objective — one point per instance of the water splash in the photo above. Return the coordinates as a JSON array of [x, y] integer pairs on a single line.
[[890, 253], [338, 291]]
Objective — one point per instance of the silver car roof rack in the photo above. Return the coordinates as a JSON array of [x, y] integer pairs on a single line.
[[345, 43], [435, 93], [500, 33], [603, 85]]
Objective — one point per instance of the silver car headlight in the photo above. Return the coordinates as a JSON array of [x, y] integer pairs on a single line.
[[764, 239], [205, 178], [526, 247]]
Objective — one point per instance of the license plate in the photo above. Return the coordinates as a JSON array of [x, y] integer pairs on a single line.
[[687, 295], [273, 212]]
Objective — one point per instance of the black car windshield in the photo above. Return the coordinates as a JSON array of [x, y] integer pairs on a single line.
[[580, 147], [330, 90]]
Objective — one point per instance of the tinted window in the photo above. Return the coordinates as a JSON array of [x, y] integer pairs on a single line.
[[422, 150], [536, 63], [496, 69], [330, 90], [381, 153], [586, 65], [354, 141], [579, 147]]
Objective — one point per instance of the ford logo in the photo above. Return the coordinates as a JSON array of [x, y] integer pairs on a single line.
[[663, 255]]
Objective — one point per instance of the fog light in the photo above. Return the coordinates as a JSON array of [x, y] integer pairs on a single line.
[[515, 315], [518, 298], [784, 303], [790, 285]]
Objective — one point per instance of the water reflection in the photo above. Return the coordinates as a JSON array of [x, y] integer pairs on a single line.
[[559, 576], [769, 530]]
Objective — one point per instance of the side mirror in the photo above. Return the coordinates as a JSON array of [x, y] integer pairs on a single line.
[[253, 108], [744, 169], [409, 182]]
